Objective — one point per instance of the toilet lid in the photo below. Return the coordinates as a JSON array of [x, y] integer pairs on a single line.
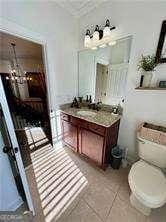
[[148, 183]]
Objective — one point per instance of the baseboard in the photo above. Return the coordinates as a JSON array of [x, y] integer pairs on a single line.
[[131, 159], [15, 204]]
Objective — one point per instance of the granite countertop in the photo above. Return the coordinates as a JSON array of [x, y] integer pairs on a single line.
[[103, 118]]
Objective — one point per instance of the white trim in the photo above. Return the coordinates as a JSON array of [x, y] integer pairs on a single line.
[[15, 204], [17, 30]]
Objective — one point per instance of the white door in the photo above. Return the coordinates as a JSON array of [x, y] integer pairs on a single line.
[[101, 82], [116, 84], [15, 145]]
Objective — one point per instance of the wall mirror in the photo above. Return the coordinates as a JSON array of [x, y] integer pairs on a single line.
[[103, 72]]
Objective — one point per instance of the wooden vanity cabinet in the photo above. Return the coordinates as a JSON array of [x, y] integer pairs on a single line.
[[69, 132], [91, 145], [89, 139]]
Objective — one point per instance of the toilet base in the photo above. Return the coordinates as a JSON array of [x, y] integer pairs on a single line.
[[139, 206]]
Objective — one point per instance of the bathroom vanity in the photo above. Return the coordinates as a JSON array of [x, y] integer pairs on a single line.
[[102, 75], [92, 136]]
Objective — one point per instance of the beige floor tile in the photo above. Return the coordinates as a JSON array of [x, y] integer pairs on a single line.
[[82, 213], [112, 179], [116, 178], [66, 212], [60, 183], [61, 175], [157, 215], [124, 192], [121, 211], [100, 199]]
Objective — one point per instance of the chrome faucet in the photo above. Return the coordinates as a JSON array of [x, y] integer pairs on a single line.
[[95, 106]]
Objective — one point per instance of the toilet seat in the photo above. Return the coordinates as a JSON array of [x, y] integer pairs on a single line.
[[148, 184]]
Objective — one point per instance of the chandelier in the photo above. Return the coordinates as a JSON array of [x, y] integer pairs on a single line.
[[17, 74], [99, 38]]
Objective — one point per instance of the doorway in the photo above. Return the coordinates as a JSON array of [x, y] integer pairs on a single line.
[[24, 82]]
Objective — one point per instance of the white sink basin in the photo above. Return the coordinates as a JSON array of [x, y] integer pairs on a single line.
[[86, 113]]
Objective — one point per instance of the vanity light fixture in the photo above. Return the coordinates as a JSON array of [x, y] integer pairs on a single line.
[[100, 38], [95, 37]]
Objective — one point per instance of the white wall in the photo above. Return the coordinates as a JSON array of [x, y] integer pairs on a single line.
[[142, 20], [60, 31]]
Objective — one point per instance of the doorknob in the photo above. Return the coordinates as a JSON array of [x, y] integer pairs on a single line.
[[6, 149]]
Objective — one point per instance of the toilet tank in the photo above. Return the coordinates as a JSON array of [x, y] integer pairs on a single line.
[[152, 152]]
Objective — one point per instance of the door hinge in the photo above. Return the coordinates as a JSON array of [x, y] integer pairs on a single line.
[[16, 149]]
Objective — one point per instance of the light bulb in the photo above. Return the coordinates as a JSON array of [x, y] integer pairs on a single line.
[[106, 32], [96, 34], [112, 43], [7, 77], [102, 46], [87, 41], [94, 48]]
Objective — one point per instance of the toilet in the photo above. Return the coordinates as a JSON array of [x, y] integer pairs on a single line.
[[147, 179]]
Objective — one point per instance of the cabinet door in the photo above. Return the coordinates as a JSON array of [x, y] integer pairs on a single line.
[[69, 133], [91, 145]]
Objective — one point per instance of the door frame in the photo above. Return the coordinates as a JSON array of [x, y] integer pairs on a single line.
[[19, 31], [11, 28]]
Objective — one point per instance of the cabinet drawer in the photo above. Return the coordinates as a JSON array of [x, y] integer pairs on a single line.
[[79, 122], [65, 117], [74, 120], [97, 129]]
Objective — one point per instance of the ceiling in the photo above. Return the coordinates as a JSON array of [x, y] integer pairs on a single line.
[[78, 8], [24, 48]]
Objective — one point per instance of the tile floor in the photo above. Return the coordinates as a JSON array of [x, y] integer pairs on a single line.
[[72, 190], [106, 198]]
